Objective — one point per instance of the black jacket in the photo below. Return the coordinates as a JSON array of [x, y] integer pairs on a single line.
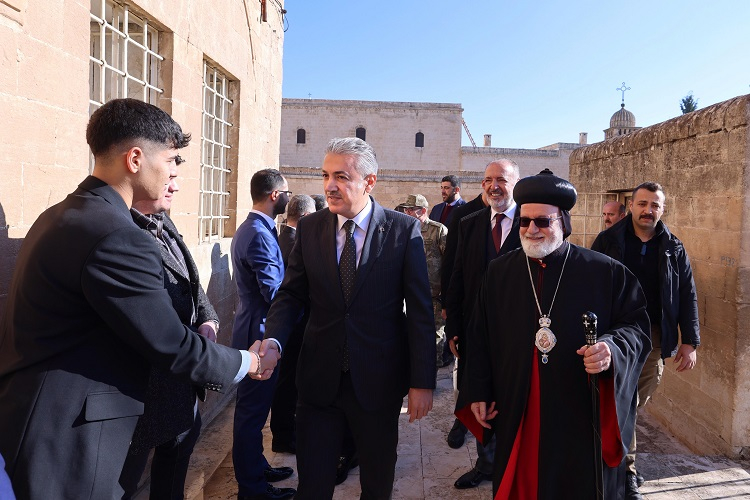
[[451, 241], [678, 296]]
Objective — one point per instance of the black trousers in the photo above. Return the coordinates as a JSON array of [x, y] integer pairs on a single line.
[[320, 431], [168, 468], [284, 405]]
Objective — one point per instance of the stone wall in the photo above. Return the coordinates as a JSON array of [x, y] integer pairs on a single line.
[[530, 161], [44, 98], [390, 127], [702, 160]]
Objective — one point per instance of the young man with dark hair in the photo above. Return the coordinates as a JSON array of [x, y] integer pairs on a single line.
[[87, 315]]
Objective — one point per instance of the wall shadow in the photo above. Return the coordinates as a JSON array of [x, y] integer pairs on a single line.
[[9, 248]]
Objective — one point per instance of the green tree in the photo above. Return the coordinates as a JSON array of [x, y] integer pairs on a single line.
[[688, 103]]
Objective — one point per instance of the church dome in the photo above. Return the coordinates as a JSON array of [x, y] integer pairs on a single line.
[[622, 118]]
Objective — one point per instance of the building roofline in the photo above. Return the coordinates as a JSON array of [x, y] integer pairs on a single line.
[[329, 103]]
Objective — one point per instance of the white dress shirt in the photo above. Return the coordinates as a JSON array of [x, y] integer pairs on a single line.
[[507, 222], [361, 222]]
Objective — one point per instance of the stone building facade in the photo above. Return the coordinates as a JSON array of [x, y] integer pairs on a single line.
[[703, 161], [215, 68], [416, 144]]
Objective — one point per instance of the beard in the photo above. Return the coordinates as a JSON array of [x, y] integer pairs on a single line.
[[280, 206], [539, 249]]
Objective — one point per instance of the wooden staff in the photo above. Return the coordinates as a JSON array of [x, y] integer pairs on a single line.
[[589, 326]]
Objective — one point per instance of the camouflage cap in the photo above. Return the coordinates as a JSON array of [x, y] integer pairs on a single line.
[[415, 200]]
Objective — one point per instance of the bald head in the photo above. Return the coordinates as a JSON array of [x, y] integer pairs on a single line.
[[612, 213]]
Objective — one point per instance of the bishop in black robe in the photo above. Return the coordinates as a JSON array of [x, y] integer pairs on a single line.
[[545, 444]]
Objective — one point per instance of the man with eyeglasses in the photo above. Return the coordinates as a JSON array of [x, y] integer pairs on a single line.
[[433, 234], [531, 364], [482, 237], [658, 259], [259, 270]]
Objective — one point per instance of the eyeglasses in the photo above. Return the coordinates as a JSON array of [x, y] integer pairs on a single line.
[[540, 222], [288, 193]]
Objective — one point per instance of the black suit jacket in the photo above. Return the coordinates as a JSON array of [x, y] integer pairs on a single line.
[[286, 242], [451, 241], [472, 259], [170, 400], [389, 350], [437, 211], [87, 314]]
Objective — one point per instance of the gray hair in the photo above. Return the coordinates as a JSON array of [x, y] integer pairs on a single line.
[[299, 205], [366, 163], [510, 162]]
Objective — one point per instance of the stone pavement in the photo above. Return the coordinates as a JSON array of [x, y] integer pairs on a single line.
[[427, 467]]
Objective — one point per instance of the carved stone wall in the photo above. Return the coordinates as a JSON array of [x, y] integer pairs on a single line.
[[702, 160]]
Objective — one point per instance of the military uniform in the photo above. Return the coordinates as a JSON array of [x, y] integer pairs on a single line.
[[433, 234]]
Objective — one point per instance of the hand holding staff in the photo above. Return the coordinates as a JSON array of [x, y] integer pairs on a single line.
[[589, 326]]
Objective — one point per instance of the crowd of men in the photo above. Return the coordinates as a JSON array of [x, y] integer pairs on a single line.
[[109, 339]]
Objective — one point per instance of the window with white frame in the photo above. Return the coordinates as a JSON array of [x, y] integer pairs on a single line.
[[215, 171], [124, 57]]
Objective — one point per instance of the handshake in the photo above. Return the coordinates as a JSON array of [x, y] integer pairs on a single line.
[[263, 359]]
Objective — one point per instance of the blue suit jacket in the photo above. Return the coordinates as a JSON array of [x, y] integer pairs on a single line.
[[258, 271], [437, 211], [389, 350]]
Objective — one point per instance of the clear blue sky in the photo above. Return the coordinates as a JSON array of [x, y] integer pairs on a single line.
[[531, 73]]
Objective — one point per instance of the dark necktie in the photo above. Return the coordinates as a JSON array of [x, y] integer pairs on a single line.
[[497, 232], [347, 275], [444, 216]]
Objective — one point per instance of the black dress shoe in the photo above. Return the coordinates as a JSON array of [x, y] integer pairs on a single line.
[[471, 479], [344, 466], [457, 434], [274, 474], [447, 359], [271, 493], [284, 447], [631, 487], [639, 479]]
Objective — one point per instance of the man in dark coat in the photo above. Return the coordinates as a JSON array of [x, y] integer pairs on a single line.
[[171, 422], [529, 365], [285, 396], [87, 314], [456, 435], [483, 236], [355, 265], [450, 190], [258, 271], [658, 259]]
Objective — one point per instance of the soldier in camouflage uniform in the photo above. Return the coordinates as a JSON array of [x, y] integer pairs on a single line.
[[433, 234]]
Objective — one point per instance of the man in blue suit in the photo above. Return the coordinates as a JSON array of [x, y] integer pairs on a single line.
[[450, 190], [258, 270], [354, 265]]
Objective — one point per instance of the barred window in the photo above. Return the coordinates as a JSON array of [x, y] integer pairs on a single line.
[[419, 140], [124, 57], [361, 133], [301, 136], [214, 188]]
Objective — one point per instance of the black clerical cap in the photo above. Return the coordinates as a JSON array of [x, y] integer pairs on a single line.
[[547, 188]]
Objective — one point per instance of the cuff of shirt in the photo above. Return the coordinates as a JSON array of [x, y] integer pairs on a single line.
[[277, 344], [244, 367]]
